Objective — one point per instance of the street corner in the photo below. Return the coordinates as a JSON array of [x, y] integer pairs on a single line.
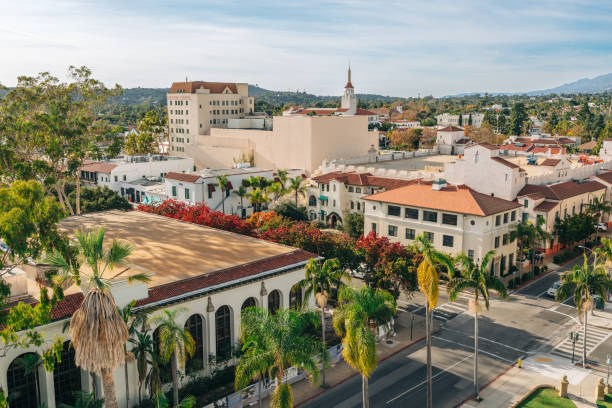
[[554, 368]]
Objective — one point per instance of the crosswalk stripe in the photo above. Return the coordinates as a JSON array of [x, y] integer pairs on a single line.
[[595, 337]]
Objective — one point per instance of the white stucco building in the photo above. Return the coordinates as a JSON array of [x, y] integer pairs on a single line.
[[212, 274], [455, 218], [452, 140], [447, 119]]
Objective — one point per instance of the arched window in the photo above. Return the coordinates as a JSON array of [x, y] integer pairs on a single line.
[[250, 302], [295, 297], [23, 388], [195, 327], [274, 301], [312, 201], [165, 369], [223, 332], [66, 377]]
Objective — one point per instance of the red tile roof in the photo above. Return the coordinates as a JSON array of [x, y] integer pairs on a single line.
[[562, 191], [214, 87], [70, 303], [546, 206], [607, 177], [99, 167], [361, 111], [362, 179], [459, 199], [451, 129], [348, 85], [188, 178], [511, 146], [550, 162]]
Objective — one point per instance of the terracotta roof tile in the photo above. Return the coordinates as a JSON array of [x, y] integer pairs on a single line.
[[188, 178], [546, 206], [361, 111], [214, 87], [99, 167], [550, 162], [505, 162], [607, 177], [362, 179], [562, 191], [460, 199]]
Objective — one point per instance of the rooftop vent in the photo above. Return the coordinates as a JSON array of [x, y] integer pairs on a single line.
[[438, 184]]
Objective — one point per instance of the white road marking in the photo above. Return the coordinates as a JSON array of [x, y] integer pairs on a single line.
[[472, 347], [434, 376]]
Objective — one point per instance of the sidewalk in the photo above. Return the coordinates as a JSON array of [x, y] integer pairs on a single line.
[[341, 372], [541, 369]]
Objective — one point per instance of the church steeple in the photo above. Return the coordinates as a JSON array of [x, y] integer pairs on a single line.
[[349, 100], [348, 83]]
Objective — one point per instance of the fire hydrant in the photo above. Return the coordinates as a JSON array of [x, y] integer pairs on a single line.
[[520, 363]]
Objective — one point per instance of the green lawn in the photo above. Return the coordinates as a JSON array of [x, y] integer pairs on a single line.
[[605, 404], [547, 398]]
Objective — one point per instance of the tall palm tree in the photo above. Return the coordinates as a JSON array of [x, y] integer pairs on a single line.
[[599, 206], [428, 281], [321, 278], [360, 313], [296, 186], [143, 351], [257, 198], [583, 282], [478, 278], [282, 176], [223, 185], [97, 330], [276, 190], [241, 192], [175, 343], [276, 341], [540, 235], [521, 233]]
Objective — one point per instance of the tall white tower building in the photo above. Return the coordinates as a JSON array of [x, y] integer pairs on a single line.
[[349, 100]]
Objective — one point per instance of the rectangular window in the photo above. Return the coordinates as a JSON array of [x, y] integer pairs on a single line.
[[429, 236], [471, 254], [525, 203], [497, 220], [374, 227], [449, 219], [525, 217], [411, 213], [392, 231], [410, 233], [430, 216], [447, 240], [496, 242], [173, 191], [351, 189], [510, 260], [358, 189], [394, 210], [352, 205], [513, 216], [505, 218], [505, 239], [124, 177], [116, 178], [358, 205]]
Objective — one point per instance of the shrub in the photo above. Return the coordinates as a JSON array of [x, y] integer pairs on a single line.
[[517, 281], [511, 284], [557, 259], [536, 270], [288, 209]]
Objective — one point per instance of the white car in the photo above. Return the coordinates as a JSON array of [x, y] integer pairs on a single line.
[[552, 291], [602, 226], [359, 273]]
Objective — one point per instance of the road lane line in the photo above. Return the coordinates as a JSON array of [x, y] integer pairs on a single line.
[[432, 377], [472, 347]]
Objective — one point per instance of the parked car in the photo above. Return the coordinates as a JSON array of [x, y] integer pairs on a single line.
[[359, 273], [602, 226], [552, 291]]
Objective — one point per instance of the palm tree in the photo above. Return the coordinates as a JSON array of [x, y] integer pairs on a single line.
[[295, 186], [321, 278], [276, 189], [257, 198], [143, 351], [223, 185], [521, 233], [476, 277], [85, 400], [276, 341], [97, 330], [539, 234], [242, 193], [175, 343], [282, 176], [360, 313], [599, 206], [583, 282], [428, 281]]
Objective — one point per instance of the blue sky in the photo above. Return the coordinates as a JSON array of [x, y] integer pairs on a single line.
[[399, 48]]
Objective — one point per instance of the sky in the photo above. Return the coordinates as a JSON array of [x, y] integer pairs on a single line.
[[399, 48]]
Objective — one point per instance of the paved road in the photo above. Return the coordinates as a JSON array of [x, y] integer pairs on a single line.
[[527, 323]]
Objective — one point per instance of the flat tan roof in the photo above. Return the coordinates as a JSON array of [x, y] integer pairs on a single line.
[[174, 250]]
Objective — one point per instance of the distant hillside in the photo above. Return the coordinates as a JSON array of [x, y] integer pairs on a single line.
[[602, 83]]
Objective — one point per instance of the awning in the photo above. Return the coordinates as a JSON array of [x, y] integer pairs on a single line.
[[322, 197]]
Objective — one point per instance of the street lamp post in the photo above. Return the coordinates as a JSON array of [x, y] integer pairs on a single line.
[[593, 252], [608, 364]]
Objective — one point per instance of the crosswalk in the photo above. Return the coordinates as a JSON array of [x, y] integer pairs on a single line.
[[595, 337], [442, 313]]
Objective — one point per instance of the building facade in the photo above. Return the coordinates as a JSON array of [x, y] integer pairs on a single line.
[[447, 119], [456, 219], [216, 276]]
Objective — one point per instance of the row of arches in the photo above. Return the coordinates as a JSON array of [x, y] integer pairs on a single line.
[[24, 385], [26, 388]]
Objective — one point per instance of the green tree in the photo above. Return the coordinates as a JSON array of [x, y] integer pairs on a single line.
[[277, 341], [143, 352], [353, 224], [223, 185], [583, 282], [359, 315], [522, 234], [257, 197], [428, 282], [296, 187], [477, 278], [154, 123], [599, 206], [288, 210], [321, 278], [175, 344], [97, 330], [470, 120], [241, 192], [98, 199], [282, 177], [85, 400], [140, 143], [518, 118], [460, 121]]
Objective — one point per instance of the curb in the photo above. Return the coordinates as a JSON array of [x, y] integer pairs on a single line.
[[356, 373], [487, 384], [540, 276]]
